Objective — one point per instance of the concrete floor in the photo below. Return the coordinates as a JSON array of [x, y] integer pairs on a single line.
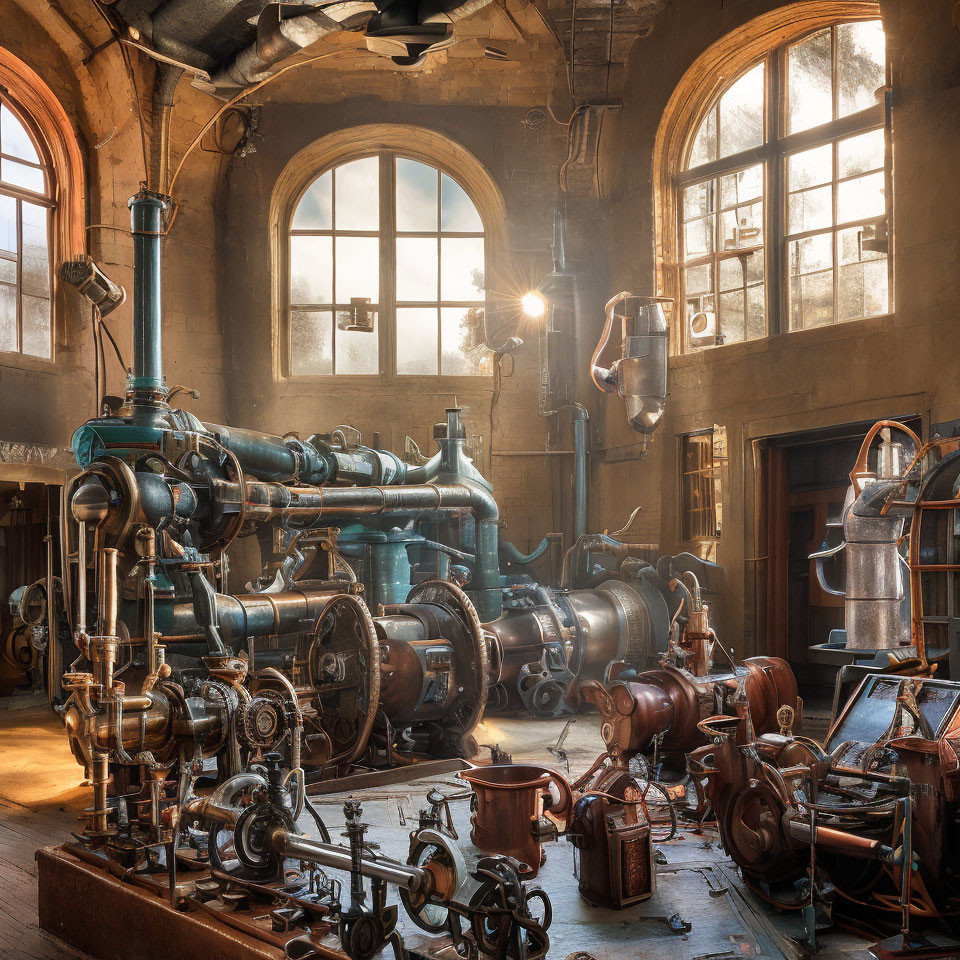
[[41, 797]]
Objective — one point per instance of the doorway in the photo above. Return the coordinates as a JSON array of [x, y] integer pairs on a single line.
[[804, 478]]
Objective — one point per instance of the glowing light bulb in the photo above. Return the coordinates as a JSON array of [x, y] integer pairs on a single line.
[[533, 304]]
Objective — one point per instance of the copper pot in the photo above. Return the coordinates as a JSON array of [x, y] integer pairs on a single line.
[[511, 799]]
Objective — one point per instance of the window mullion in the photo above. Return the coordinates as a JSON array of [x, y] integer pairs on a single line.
[[776, 281], [20, 278], [388, 265], [439, 273]]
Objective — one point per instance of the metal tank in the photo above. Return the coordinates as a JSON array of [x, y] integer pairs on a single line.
[[876, 572], [639, 375]]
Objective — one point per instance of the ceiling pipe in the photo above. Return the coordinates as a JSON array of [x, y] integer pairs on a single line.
[[278, 39]]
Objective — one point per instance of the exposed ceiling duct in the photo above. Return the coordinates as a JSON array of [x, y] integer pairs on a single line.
[[228, 45]]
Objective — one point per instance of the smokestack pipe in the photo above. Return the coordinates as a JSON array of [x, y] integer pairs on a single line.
[[146, 218]]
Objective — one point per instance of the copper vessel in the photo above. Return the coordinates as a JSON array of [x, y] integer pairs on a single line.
[[515, 810]]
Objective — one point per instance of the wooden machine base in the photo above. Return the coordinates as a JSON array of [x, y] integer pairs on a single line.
[[94, 911]]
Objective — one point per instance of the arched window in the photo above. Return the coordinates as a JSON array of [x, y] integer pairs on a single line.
[[26, 205], [783, 195], [386, 272]]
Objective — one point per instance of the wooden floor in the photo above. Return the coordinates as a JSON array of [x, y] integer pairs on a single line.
[[41, 796], [40, 799]]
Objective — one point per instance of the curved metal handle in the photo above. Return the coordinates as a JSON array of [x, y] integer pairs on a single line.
[[564, 810], [605, 378], [821, 577]]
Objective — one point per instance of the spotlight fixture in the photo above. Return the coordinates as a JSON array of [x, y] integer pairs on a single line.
[[533, 304], [83, 273]]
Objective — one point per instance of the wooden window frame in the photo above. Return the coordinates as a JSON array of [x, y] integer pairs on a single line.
[[704, 81], [21, 195], [706, 477], [778, 145], [387, 234]]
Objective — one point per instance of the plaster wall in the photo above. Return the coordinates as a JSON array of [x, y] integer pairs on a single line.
[[904, 363], [44, 401], [483, 106]]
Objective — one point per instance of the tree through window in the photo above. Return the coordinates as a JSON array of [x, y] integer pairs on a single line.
[[786, 179], [25, 210], [386, 273]]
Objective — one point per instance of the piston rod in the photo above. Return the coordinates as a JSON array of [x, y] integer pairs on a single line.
[[338, 858]]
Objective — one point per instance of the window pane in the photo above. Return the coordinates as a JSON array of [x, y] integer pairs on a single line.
[[36, 326], [457, 212], [20, 175], [358, 268], [14, 139], [36, 262], [416, 196], [702, 320], [461, 268], [417, 329], [811, 300], [855, 244], [756, 312], [732, 317], [860, 198], [461, 341], [810, 168], [811, 209], [705, 143], [731, 274], [741, 187], [698, 199], [311, 270], [8, 317], [698, 238], [863, 290], [311, 351], [8, 270], [315, 210], [699, 280], [357, 190], [810, 254], [861, 64], [357, 351], [809, 83], [741, 113], [8, 224], [417, 268], [860, 154], [742, 227]]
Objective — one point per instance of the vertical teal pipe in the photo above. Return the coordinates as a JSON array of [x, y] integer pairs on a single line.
[[146, 218], [389, 572], [581, 420]]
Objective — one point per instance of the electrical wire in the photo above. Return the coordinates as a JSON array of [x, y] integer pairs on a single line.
[[234, 100], [131, 76]]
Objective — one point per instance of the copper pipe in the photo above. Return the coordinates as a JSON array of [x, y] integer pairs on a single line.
[[839, 840], [82, 578], [860, 466], [108, 596], [101, 777]]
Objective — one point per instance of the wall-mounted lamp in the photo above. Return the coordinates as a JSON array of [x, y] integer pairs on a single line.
[[533, 304], [83, 273]]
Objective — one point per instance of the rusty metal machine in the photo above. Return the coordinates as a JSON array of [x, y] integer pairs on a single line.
[[654, 714], [864, 826], [253, 848]]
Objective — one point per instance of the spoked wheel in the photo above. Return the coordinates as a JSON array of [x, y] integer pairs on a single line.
[[471, 656], [445, 863], [240, 849], [503, 913], [343, 664]]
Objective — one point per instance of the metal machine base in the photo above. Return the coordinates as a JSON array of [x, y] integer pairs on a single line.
[[916, 946], [96, 912], [382, 778]]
